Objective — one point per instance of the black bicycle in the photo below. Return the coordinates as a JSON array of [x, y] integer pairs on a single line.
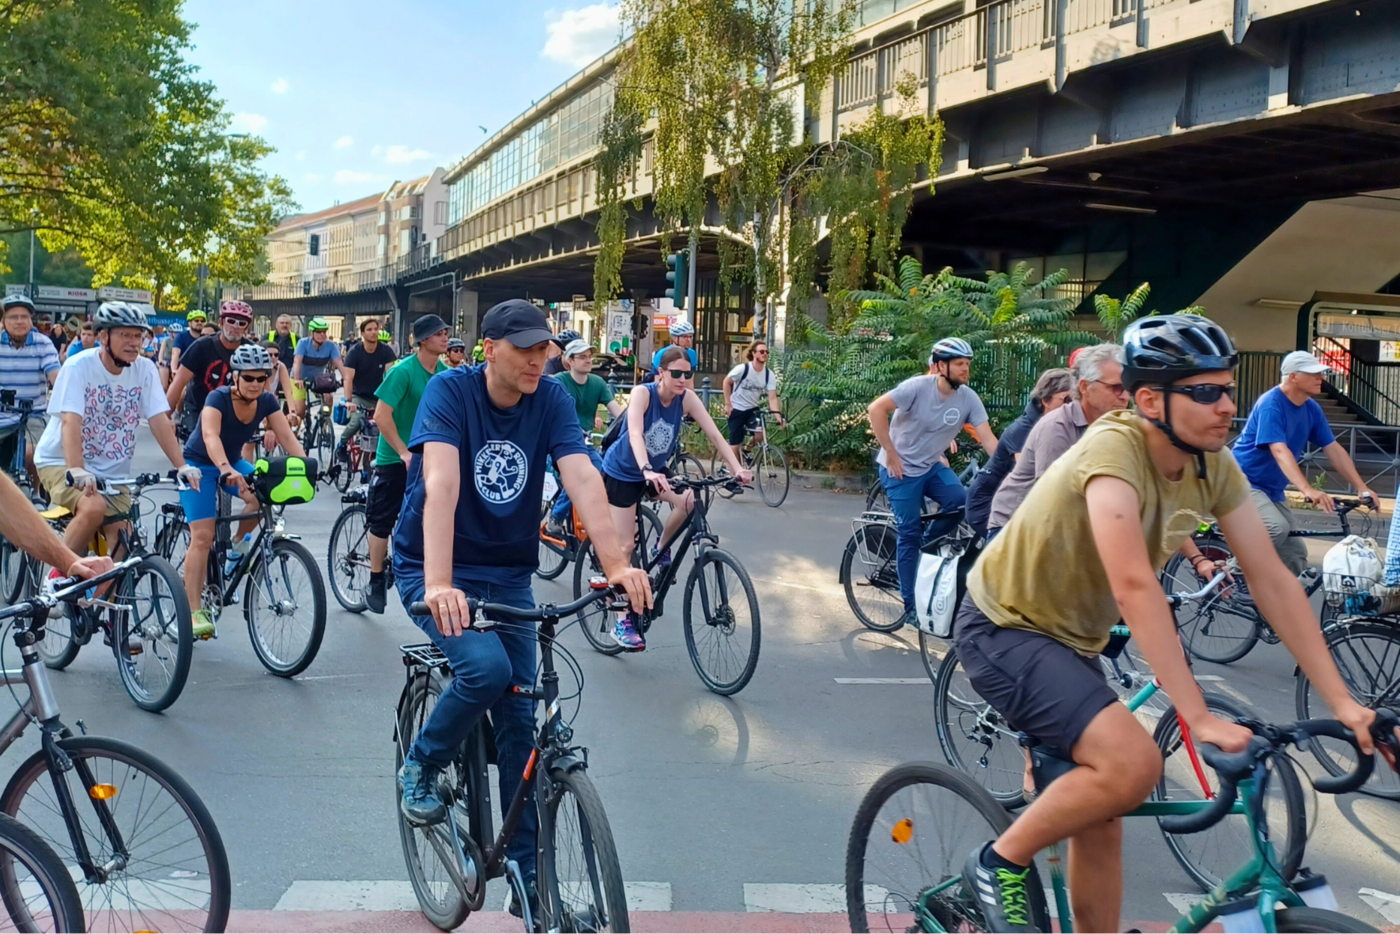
[[318, 434], [720, 615], [136, 839], [347, 556], [284, 598], [560, 546], [580, 882], [767, 461], [12, 577]]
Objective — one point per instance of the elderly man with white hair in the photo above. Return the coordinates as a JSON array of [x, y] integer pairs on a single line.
[[1098, 390]]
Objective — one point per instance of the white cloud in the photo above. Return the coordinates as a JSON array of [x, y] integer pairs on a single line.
[[301, 156], [280, 86], [351, 177], [577, 37], [248, 123], [312, 177], [377, 151], [345, 142], [398, 155]]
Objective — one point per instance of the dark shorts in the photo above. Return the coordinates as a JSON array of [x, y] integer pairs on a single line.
[[385, 499], [739, 422], [624, 494], [1041, 686]]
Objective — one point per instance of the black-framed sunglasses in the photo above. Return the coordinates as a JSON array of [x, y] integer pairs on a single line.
[[250, 378], [681, 374], [1204, 393]]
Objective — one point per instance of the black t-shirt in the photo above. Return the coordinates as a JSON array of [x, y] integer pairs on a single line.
[[554, 366], [369, 367], [286, 348], [233, 432], [208, 359]]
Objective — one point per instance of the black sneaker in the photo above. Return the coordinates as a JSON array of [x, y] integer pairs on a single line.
[[1005, 897], [376, 597], [533, 895]]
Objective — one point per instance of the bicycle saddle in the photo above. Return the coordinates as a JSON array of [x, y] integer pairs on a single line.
[[56, 512], [1045, 765]]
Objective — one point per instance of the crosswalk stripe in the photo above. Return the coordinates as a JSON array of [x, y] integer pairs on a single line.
[[398, 895], [1183, 901], [884, 681], [800, 898], [1387, 905]]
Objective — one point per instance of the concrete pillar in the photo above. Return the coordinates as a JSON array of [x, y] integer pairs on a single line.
[[466, 316]]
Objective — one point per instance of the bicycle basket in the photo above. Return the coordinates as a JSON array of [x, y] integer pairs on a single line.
[[1354, 579], [285, 481]]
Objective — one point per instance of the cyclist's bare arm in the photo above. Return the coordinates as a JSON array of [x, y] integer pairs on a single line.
[[728, 391], [296, 367], [176, 392], [286, 437], [776, 408], [636, 429], [584, 484], [614, 408], [986, 438], [72, 438], [1114, 515], [1289, 465], [442, 481], [880, 412], [1341, 461], [1284, 604], [696, 410], [163, 430], [284, 379], [22, 527], [384, 421], [347, 375]]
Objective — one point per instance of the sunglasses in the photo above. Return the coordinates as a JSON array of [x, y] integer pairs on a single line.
[[249, 378], [1204, 393], [681, 374], [1117, 389]]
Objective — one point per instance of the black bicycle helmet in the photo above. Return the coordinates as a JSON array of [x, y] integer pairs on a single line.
[[1166, 349], [456, 343]]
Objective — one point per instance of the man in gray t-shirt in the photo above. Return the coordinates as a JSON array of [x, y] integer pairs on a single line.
[[928, 412]]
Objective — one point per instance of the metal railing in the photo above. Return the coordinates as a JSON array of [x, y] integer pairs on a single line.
[[1374, 387]]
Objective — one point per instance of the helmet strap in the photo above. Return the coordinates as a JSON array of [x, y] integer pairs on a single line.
[[1164, 423], [106, 352]]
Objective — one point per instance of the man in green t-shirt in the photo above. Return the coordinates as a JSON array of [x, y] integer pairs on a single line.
[[398, 396], [588, 392]]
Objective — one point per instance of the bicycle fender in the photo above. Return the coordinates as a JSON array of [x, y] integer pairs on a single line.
[[277, 536], [568, 762]]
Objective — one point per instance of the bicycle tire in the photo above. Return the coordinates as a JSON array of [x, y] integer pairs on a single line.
[[1304, 920], [864, 834], [600, 864], [58, 903], [12, 562], [58, 648], [1000, 769], [342, 558], [891, 602], [931, 651], [1293, 822], [771, 463], [342, 475], [1178, 576], [1345, 645], [689, 467], [29, 798], [449, 911], [289, 664], [594, 620], [173, 542], [553, 558], [153, 628], [876, 499], [719, 468], [720, 620]]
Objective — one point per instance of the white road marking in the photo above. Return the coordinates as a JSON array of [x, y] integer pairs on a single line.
[[1387, 905], [884, 681], [1183, 901], [180, 890], [1209, 678], [394, 895], [793, 898], [829, 591]]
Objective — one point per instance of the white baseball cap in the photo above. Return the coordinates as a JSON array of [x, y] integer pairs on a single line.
[[577, 347], [1300, 361]]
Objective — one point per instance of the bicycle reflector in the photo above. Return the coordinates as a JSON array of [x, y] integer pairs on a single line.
[[103, 792], [903, 831]]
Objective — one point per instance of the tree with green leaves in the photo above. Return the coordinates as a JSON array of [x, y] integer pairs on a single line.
[[1115, 314]]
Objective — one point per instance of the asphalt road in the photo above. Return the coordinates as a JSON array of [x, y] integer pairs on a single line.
[[727, 801]]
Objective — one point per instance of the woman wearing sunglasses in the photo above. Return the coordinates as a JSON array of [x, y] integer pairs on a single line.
[[635, 466], [229, 420]]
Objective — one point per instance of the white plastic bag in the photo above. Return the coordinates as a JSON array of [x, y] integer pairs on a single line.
[[936, 592], [1352, 568], [551, 486]]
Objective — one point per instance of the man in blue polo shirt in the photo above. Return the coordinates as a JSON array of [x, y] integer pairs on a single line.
[[1281, 424], [28, 365], [470, 525]]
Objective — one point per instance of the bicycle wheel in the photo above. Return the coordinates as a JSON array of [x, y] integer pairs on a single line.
[[689, 467], [913, 831], [284, 603], [931, 650], [175, 874], [975, 739], [652, 527], [723, 635], [876, 499], [58, 648], [1216, 852], [37, 891], [347, 558], [554, 549], [172, 543], [1221, 628], [871, 578], [344, 473], [11, 573], [719, 468], [1367, 654], [153, 639], [770, 470], [1303, 920], [580, 879], [595, 620], [424, 848]]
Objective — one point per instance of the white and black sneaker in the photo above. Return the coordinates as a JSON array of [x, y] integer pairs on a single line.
[[1006, 897]]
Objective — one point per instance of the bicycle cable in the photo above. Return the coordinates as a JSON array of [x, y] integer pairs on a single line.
[[4, 638]]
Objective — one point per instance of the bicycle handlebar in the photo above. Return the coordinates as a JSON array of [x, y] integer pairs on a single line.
[[684, 483], [68, 588], [1177, 599], [599, 589], [140, 481], [1232, 768]]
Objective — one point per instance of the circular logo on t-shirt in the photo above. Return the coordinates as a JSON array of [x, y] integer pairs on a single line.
[[952, 416], [501, 471]]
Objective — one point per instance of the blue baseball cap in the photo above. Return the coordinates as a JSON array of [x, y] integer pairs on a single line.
[[517, 321]]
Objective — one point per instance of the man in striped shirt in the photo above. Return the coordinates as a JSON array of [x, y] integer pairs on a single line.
[[29, 366]]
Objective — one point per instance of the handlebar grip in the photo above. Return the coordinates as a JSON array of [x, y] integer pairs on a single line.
[[1209, 816], [1340, 784]]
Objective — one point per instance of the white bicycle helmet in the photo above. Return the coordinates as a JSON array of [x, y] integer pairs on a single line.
[[682, 329], [951, 348], [118, 315], [250, 357]]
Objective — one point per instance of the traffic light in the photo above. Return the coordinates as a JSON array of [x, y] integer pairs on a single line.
[[676, 275]]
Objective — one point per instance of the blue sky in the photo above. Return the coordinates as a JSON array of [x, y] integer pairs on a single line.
[[356, 94]]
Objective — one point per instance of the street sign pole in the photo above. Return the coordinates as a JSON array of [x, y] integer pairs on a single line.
[[202, 273], [690, 297]]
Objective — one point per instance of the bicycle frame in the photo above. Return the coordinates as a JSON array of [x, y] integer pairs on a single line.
[[696, 529], [263, 538]]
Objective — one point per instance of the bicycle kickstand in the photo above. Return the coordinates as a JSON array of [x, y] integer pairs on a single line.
[[517, 882]]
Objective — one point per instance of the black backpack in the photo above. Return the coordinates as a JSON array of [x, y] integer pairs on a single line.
[[615, 431]]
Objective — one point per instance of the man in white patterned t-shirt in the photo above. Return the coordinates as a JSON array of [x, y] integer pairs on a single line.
[[744, 389]]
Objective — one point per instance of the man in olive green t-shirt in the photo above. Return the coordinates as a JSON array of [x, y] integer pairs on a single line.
[[398, 395], [588, 392], [1084, 551]]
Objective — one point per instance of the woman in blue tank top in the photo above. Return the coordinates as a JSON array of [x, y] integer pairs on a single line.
[[635, 466]]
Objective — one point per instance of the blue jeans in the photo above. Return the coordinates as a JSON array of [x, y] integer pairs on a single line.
[[484, 666], [561, 506], [941, 485]]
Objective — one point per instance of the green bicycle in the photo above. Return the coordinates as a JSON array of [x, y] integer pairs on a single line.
[[919, 822]]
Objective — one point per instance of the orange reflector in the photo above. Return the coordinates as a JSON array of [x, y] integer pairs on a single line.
[[903, 831], [103, 792]]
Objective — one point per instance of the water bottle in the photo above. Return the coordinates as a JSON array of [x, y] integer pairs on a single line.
[[1314, 891], [236, 552], [1241, 916]]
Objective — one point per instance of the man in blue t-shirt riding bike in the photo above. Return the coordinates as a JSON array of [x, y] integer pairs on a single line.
[[470, 525]]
